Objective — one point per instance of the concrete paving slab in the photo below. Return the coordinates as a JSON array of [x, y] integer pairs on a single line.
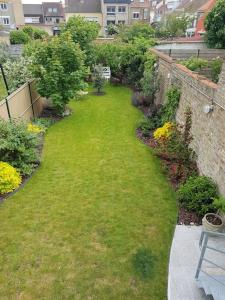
[[184, 257]]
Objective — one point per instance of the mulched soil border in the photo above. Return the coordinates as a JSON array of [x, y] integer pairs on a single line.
[[184, 217]]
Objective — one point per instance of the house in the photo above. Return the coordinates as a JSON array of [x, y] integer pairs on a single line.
[[140, 10], [115, 12], [164, 7], [90, 10], [53, 13], [201, 15], [45, 16], [11, 15], [33, 14]]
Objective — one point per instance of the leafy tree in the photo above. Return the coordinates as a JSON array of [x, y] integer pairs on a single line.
[[82, 31], [176, 25], [17, 72], [137, 30], [59, 66], [112, 29], [99, 80], [215, 26]]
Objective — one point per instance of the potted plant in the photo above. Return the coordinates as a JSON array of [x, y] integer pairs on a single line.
[[219, 204], [214, 222]]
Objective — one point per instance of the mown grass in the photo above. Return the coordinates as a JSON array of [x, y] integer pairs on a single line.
[[99, 195]]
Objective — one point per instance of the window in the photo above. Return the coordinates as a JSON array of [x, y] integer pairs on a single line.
[[136, 15], [5, 20], [142, 0], [50, 9], [109, 22], [4, 6], [111, 10], [122, 9], [55, 10], [121, 22], [145, 13]]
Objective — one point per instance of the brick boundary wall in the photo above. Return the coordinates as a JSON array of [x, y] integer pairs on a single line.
[[208, 129]]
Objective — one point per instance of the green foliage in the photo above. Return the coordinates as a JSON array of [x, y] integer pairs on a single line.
[[99, 80], [4, 53], [112, 29], [43, 123], [143, 263], [19, 37], [168, 112], [147, 125], [18, 147], [194, 63], [26, 34], [197, 194], [150, 82], [17, 72], [137, 30], [10, 178], [219, 204], [82, 31], [59, 65], [215, 26], [216, 67]]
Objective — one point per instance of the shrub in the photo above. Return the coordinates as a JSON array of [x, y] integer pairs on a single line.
[[168, 112], [10, 178], [164, 132], [19, 37], [99, 80], [43, 123], [194, 63], [219, 204], [197, 194], [143, 263], [137, 30], [17, 72], [216, 67], [18, 147]]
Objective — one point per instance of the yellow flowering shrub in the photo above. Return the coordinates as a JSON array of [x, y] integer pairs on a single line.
[[34, 128], [10, 178], [164, 132]]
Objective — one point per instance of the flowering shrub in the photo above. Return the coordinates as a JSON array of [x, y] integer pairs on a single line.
[[10, 178], [34, 128], [164, 132]]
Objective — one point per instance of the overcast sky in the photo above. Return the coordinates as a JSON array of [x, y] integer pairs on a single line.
[[38, 1]]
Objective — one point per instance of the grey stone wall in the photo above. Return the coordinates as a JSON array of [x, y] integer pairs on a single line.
[[208, 129]]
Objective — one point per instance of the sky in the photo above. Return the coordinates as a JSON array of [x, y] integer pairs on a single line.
[[38, 1]]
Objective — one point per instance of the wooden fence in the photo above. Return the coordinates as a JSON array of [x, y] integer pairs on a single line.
[[23, 104]]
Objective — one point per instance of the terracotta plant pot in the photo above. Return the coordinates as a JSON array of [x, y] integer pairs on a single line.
[[212, 222]]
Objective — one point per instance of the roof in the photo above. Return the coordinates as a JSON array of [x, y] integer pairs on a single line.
[[32, 9], [83, 6], [57, 5], [191, 6], [207, 6]]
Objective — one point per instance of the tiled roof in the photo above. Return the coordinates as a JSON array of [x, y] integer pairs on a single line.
[[32, 9], [57, 5], [82, 6]]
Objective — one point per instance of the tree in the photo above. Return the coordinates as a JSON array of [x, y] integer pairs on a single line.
[[82, 31], [59, 66], [215, 26], [176, 25], [99, 80], [137, 30], [18, 37]]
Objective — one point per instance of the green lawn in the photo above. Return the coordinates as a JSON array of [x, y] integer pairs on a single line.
[[98, 197]]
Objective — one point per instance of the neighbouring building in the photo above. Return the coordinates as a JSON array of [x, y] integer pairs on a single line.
[[47, 16], [11, 14], [164, 7], [115, 12], [90, 10], [201, 15], [140, 10]]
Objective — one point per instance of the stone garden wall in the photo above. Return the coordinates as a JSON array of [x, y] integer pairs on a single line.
[[208, 129]]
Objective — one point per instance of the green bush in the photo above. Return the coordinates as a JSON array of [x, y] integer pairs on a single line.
[[194, 63], [168, 111], [143, 263], [219, 204], [216, 67], [197, 194], [18, 147], [19, 37]]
